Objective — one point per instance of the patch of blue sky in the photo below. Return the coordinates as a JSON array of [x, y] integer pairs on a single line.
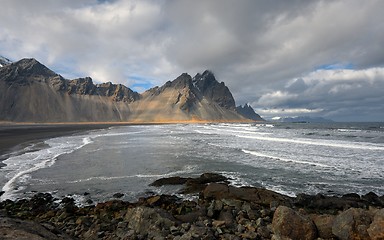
[[335, 66], [140, 83]]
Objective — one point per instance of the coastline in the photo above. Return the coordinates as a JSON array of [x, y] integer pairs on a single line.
[[222, 211], [15, 136]]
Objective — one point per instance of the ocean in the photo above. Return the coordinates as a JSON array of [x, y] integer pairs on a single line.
[[290, 158]]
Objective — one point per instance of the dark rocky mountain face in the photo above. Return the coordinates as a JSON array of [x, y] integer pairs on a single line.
[[25, 72], [85, 86], [210, 88], [248, 112], [29, 91]]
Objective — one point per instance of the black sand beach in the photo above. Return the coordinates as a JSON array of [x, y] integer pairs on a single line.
[[17, 136]]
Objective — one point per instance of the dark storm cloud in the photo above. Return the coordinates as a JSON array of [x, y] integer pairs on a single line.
[[267, 52]]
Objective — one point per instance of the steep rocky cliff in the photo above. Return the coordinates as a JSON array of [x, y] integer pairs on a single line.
[[248, 112], [30, 92]]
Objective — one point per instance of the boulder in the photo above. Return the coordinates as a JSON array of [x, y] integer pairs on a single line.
[[352, 224], [291, 224], [150, 222], [324, 225], [376, 229]]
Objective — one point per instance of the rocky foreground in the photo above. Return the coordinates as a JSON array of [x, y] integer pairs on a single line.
[[220, 212]]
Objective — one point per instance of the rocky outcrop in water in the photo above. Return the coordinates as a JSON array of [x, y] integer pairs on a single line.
[[30, 92], [235, 213]]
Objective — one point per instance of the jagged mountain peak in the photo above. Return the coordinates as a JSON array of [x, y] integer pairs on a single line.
[[248, 112], [31, 66], [207, 84], [25, 71], [4, 61], [205, 78]]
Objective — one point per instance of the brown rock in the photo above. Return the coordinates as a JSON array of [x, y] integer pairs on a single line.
[[217, 223], [376, 229], [249, 194], [149, 221], [27, 230], [288, 223], [324, 225], [352, 224], [227, 217]]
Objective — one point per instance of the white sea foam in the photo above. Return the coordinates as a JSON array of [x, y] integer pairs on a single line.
[[283, 159], [187, 169], [102, 178], [241, 130], [348, 130], [19, 167], [318, 142], [235, 179]]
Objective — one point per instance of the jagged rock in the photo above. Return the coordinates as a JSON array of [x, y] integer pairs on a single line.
[[289, 223], [376, 229], [352, 224], [248, 112]]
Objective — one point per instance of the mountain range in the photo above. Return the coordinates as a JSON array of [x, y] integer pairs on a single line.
[[30, 92], [301, 119]]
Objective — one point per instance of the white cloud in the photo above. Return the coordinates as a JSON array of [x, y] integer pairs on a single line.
[[332, 91], [258, 48]]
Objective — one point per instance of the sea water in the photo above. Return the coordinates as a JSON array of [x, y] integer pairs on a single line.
[[290, 158]]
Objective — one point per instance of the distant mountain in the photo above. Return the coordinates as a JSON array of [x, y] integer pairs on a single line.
[[302, 119], [248, 112], [30, 92], [4, 61]]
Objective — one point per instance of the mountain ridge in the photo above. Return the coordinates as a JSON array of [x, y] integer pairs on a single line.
[[4, 61], [31, 92], [248, 112]]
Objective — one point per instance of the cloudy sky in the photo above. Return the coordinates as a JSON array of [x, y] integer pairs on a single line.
[[285, 58]]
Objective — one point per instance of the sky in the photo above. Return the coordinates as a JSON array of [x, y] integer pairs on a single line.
[[283, 57]]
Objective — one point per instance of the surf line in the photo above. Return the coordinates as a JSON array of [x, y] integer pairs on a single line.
[[318, 143], [283, 159]]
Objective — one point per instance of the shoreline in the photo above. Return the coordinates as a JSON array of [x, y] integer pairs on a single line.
[[221, 212], [14, 137]]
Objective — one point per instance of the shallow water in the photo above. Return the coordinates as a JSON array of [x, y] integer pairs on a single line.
[[334, 158]]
